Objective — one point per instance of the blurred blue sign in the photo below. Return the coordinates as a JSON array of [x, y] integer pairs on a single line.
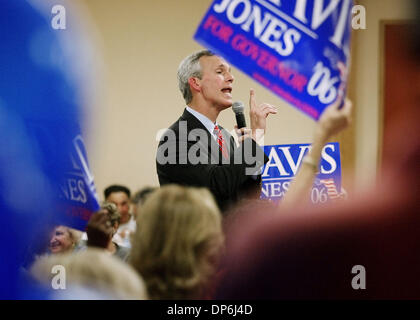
[[44, 175], [297, 49], [78, 195]]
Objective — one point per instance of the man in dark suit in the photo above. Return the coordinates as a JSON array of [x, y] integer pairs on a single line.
[[196, 150]]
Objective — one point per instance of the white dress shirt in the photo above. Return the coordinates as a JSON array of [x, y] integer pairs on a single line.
[[204, 120]]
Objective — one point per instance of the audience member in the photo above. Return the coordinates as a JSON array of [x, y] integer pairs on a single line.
[[139, 198], [101, 229], [120, 195], [311, 253], [89, 274], [367, 248], [177, 243], [64, 239]]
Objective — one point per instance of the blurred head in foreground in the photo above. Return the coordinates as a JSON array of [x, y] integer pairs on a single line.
[[366, 248], [89, 274], [177, 242]]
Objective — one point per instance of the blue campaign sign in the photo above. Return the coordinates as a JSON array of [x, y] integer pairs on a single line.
[[284, 162], [297, 49], [78, 197], [41, 90]]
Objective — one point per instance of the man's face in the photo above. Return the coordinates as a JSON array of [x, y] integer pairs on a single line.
[[216, 81], [121, 200]]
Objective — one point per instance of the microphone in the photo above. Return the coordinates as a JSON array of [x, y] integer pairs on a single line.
[[238, 108]]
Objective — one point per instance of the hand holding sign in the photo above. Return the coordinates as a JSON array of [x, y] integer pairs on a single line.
[[333, 120]]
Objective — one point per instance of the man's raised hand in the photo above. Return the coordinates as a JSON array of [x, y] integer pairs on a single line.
[[258, 114]]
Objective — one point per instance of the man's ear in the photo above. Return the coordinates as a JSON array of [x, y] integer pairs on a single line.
[[194, 84]]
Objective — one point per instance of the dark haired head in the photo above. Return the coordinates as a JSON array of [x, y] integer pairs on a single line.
[[141, 195], [116, 188]]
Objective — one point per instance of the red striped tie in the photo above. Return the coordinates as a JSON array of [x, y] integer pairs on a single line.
[[221, 141]]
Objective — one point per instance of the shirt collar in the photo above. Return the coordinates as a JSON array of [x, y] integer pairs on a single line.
[[203, 119]]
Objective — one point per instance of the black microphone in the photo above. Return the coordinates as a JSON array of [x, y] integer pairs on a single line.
[[238, 108]]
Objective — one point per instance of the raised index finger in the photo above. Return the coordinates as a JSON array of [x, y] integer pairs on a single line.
[[252, 102]]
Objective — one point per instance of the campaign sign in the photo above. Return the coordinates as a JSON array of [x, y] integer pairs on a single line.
[[79, 199], [42, 162], [284, 162], [298, 49]]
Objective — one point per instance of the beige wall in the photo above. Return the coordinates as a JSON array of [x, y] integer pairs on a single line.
[[142, 43], [368, 90]]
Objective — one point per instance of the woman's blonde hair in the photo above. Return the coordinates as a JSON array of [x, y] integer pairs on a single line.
[[114, 214], [93, 269], [75, 235], [178, 237]]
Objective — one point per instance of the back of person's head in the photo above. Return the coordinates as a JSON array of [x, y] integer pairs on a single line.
[[140, 196], [116, 188], [112, 210], [99, 274], [365, 248], [177, 242]]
